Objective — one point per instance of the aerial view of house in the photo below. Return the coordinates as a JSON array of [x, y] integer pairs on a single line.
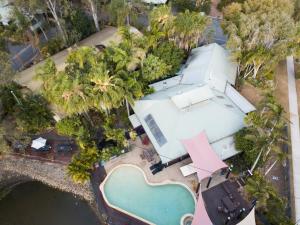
[[149, 112]]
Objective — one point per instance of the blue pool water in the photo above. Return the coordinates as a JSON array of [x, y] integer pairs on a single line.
[[127, 189]]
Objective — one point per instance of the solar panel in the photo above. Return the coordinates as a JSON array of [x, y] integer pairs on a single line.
[[156, 132]]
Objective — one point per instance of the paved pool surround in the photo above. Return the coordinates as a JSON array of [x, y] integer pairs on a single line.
[[164, 183]]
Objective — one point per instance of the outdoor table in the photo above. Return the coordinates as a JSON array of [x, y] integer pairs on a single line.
[[228, 204]]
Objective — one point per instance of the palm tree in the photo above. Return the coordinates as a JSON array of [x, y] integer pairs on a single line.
[[257, 187], [188, 28], [106, 90], [161, 19]]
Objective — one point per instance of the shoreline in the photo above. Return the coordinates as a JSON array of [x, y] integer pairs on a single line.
[[17, 170]]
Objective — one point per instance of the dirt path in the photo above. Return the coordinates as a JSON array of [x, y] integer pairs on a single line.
[[214, 12]]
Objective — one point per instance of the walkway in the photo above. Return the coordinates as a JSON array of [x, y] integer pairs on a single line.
[[105, 36], [295, 134]]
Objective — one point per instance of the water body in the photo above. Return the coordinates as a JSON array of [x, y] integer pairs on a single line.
[[34, 203]]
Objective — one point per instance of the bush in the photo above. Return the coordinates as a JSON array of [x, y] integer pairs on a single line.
[[52, 47], [192, 5], [154, 68], [82, 164], [107, 153], [224, 3], [8, 100], [170, 54], [81, 24], [33, 115], [74, 127]]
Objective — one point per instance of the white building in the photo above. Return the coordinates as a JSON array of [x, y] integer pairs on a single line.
[[200, 98]]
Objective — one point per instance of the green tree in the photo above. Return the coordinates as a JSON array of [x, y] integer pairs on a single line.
[[260, 189], [82, 164], [260, 34], [154, 68], [4, 148], [188, 28], [80, 24], [33, 114], [73, 126], [124, 12], [94, 5], [7, 72], [170, 54], [192, 5], [8, 94]]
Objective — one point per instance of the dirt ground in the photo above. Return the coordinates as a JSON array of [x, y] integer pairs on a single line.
[[251, 93], [213, 9]]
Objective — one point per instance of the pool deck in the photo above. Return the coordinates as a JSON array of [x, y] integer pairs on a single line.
[[171, 173]]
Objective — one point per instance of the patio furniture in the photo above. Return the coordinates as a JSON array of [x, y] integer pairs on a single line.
[[228, 204], [188, 169], [38, 143], [155, 165], [64, 148]]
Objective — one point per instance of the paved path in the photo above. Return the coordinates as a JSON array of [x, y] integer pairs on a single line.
[[26, 77], [295, 134]]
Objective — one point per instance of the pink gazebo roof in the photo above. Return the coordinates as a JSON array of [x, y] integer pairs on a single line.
[[203, 156], [201, 217]]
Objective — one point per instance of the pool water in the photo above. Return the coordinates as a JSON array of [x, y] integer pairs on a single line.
[[127, 189]]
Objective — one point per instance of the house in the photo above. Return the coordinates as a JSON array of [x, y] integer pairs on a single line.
[[200, 98]]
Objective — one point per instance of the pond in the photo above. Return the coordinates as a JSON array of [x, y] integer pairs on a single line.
[[34, 203]]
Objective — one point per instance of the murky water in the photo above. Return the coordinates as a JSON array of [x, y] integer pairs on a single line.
[[34, 203]]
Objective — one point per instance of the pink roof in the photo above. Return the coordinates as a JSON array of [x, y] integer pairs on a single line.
[[201, 217], [203, 156]]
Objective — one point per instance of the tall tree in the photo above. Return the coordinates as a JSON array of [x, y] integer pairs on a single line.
[[188, 29], [260, 34], [93, 5]]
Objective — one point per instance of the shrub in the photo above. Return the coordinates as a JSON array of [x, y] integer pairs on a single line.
[[81, 23], [82, 164], [107, 153], [74, 127], [170, 54], [192, 5], [52, 47], [154, 68], [33, 115], [8, 100], [224, 3]]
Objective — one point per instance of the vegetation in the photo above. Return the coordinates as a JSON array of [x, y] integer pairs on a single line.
[[30, 111], [224, 3], [171, 55], [83, 163], [264, 135], [192, 5], [33, 114], [73, 126], [125, 12], [260, 34], [268, 200]]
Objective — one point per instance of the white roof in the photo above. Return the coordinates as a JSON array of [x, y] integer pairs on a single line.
[[217, 115], [209, 64], [134, 120], [238, 99], [5, 13], [38, 143]]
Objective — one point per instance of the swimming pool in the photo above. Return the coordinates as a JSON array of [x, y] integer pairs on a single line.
[[127, 190]]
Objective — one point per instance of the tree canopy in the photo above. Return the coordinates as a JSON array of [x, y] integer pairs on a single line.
[[260, 34]]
